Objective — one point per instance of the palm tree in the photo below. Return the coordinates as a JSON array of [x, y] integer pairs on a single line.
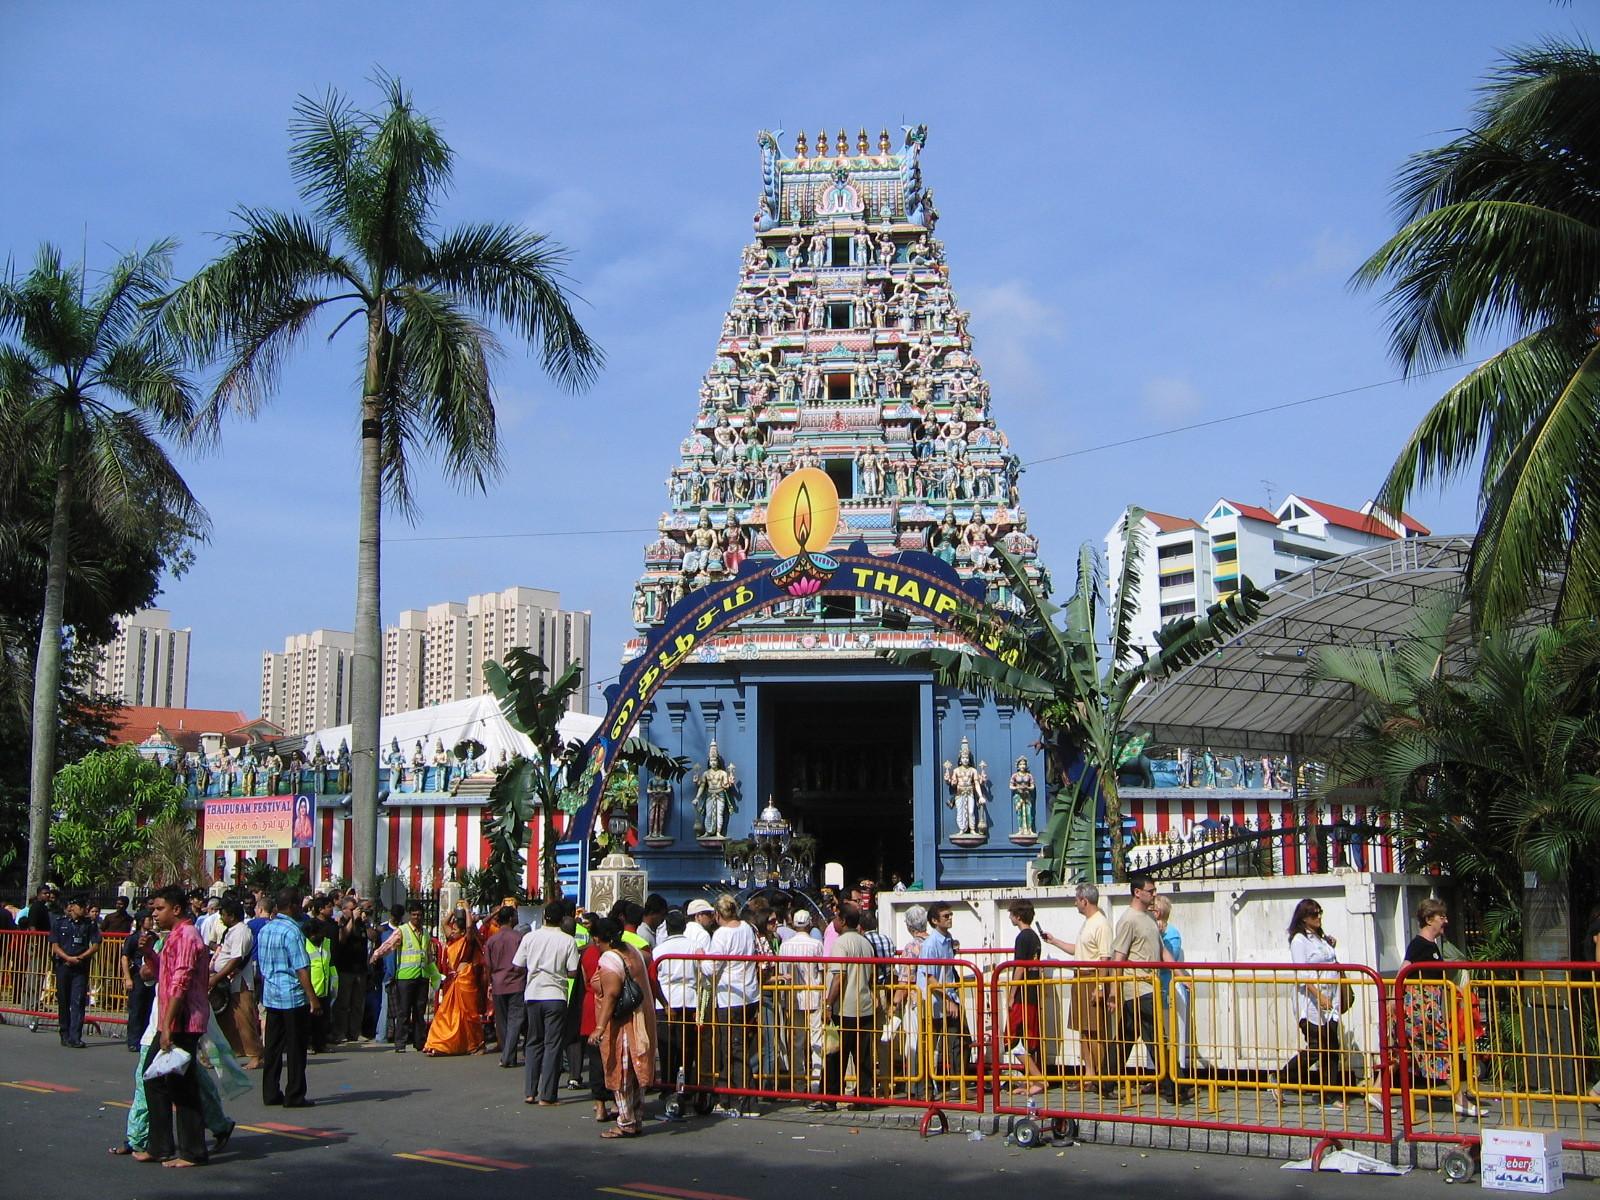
[[423, 301], [1490, 773], [85, 386], [1077, 694], [1500, 235]]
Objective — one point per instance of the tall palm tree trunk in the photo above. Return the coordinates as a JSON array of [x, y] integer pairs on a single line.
[[366, 670], [47, 682]]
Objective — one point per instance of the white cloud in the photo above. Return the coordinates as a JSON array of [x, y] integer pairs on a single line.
[[1169, 397], [1011, 328], [1331, 252]]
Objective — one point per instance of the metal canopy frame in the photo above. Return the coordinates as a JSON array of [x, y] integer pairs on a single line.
[[1257, 692]]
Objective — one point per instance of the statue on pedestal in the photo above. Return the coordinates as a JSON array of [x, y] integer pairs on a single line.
[[966, 791], [1023, 792], [713, 797], [660, 794], [343, 764]]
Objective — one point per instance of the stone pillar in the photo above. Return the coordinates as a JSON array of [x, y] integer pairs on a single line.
[[618, 877]]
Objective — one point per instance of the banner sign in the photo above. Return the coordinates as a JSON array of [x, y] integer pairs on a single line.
[[261, 823], [801, 517]]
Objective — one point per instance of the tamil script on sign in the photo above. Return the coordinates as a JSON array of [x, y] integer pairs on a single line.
[[260, 823]]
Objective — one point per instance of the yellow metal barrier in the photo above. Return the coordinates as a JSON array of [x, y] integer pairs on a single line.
[[28, 979], [1508, 1045], [1289, 1048]]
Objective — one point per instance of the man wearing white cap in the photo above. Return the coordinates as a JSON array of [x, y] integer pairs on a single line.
[[801, 1001], [702, 919]]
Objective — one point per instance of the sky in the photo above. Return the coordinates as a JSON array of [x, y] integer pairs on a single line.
[[1152, 210]]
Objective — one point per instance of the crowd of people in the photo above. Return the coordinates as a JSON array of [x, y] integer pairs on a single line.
[[774, 997]]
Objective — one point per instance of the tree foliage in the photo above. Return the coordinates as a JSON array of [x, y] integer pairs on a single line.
[[1050, 662], [87, 388], [1500, 237], [105, 803], [1488, 775]]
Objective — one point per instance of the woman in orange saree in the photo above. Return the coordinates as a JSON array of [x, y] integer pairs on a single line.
[[627, 1044], [458, 1012]]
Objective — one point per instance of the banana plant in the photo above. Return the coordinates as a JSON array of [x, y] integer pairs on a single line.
[[1076, 679], [550, 780]]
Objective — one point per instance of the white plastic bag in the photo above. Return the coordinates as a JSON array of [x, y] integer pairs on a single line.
[[168, 1062]]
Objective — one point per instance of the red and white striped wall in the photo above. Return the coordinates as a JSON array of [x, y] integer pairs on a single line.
[[413, 843], [1175, 810]]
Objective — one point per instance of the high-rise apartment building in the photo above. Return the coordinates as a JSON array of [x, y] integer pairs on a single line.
[[147, 663], [1187, 565], [435, 656], [307, 687]]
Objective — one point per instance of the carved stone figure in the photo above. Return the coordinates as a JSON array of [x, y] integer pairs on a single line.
[[967, 783], [735, 545], [714, 796], [1023, 792], [885, 249], [796, 254]]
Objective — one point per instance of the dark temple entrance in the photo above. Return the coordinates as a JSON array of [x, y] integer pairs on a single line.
[[842, 763]]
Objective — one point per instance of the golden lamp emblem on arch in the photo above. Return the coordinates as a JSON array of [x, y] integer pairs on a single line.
[[802, 516]]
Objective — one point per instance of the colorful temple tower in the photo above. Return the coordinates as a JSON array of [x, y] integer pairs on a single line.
[[844, 350]]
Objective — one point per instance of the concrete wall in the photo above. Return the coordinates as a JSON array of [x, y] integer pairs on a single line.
[[1244, 920]]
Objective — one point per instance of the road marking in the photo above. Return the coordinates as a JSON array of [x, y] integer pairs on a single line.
[[299, 1137], [684, 1192], [118, 1104], [49, 1087], [23, 1087], [495, 1163], [301, 1131], [621, 1191], [446, 1162]]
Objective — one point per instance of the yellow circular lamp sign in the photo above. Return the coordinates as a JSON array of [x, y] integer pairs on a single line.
[[803, 513]]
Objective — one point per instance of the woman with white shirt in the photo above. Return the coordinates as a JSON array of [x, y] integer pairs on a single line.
[[736, 992], [1317, 1008]]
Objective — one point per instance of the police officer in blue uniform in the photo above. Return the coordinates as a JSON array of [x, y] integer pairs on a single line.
[[73, 940]]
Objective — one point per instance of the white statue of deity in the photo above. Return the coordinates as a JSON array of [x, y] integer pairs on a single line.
[[967, 783]]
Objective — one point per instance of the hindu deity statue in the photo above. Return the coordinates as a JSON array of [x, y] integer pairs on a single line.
[[967, 783], [702, 539], [660, 795], [342, 762], [735, 545], [395, 760], [713, 796], [1023, 791]]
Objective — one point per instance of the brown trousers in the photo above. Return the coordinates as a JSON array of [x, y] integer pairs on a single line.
[[241, 1025]]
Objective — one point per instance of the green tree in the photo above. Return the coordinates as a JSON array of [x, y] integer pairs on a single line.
[[86, 385], [422, 301], [553, 779], [1489, 774], [172, 855], [1500, 236], [1078, 695], [105, 804]]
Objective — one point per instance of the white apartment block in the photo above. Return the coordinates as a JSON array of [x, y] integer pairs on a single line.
[[307, 687], [147, 663], [436, 656], [1187, 565]]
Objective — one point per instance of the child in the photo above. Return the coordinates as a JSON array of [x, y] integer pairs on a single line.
[[323, 979]]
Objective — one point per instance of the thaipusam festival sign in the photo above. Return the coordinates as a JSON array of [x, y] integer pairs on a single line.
[[802, 516], [261, 823]]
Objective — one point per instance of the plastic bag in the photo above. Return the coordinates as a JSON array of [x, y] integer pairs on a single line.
[[168, 1062], [830, 1038]]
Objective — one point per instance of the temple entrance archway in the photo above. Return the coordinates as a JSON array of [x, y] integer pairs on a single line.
[[842, 771]]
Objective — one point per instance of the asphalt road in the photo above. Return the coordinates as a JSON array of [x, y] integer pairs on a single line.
[[388, 1125]]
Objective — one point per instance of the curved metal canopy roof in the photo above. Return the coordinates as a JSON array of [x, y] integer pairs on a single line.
[[1257, 692]]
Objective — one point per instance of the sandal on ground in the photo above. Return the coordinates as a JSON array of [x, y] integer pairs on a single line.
[[222, 1138], [530, 1099], [615, 1132], [142, 1156], [605, 1119], [122, 1149]]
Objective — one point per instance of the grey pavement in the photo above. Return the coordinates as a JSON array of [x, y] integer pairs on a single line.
[[390, 1124]]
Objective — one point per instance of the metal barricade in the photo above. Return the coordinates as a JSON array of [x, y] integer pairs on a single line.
[[1510, 1045], [28, 980], [1293, 1049], [918, 1043]]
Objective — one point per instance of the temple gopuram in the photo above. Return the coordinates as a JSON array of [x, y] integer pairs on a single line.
[[844, 350]]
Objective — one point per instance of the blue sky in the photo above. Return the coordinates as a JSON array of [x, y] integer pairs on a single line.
[[1152, 211]]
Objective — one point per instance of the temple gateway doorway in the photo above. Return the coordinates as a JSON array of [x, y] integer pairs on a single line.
[[842, 772]]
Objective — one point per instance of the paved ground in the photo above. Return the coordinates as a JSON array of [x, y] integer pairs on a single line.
[[418, 1127]]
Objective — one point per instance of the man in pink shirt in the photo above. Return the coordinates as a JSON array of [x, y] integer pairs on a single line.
[[185, 1013]]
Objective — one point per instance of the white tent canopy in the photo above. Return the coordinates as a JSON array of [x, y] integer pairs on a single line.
[[478, 718]]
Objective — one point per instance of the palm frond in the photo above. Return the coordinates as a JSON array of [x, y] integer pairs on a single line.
[[518, 277]]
